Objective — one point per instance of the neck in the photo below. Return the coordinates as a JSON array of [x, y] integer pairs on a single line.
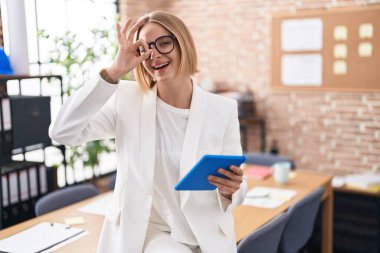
[[177, 93]]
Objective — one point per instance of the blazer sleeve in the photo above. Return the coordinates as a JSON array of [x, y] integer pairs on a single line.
[[89, 114], [232, 146]]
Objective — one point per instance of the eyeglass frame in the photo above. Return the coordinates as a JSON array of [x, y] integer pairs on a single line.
[[153, 43]]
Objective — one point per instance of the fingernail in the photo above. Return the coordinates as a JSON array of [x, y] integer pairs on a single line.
[[220, 170]]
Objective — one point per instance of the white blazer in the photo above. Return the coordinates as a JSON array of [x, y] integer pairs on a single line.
[[100, 110]]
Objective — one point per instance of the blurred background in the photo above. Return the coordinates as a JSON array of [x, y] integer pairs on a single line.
[[329, 125]]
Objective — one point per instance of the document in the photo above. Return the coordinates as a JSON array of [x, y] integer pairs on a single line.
[[39, 237], [302, 34], [301, 69], [266, 197], [98, 206]]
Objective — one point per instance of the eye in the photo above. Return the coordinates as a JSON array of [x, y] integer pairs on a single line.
[[165, 43]]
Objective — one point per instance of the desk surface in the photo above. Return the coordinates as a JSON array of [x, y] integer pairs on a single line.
[[247, 218]]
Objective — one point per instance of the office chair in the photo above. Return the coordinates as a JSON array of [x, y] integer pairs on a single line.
[[299, 227], [64, 197], [112, 182], [267, 238], [266, 159]]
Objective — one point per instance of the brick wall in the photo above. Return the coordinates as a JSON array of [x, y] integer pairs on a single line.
[[333, 132]]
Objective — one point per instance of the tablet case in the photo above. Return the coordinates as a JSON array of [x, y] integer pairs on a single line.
[[196, 178]]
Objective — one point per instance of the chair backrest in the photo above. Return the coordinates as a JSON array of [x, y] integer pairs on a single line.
[[299, 227], [112, 182], [265, 239], [266, 159], [64, 197]]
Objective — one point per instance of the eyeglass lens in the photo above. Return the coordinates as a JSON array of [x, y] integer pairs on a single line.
[[163, 45]]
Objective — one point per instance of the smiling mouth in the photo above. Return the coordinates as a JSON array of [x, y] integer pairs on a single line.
[[162, 66]]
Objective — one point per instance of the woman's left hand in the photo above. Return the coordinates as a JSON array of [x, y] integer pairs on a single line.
[[228, 186]]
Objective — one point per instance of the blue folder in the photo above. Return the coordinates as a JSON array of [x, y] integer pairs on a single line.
[[196, 178]]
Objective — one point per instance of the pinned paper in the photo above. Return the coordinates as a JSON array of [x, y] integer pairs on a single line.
[[365, 49], [340, 32], [340, 67], [301, 69], [340, 51], [366, 31], [302, 34]]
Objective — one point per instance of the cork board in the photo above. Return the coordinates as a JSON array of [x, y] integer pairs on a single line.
[[336, 50]]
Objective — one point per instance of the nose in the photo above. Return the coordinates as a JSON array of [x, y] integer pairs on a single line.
[[155, 53]]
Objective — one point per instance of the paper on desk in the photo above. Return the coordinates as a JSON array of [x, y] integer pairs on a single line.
[[38, 237], [98, 206], [266, 197], [64, 243]]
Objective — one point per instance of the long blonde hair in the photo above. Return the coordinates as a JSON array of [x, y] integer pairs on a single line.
[[188, 62]]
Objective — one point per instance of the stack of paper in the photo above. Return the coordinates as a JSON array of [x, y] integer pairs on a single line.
[[98, 206], [364, 181], [257, 172], [40, 237], [266, 197]]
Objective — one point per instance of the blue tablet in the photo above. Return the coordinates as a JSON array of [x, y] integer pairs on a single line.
[[196, 178]]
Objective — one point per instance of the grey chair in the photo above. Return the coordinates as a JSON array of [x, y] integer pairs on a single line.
[[299, 227], [265, 239], [266, 159], [112, 182], [64, 197]]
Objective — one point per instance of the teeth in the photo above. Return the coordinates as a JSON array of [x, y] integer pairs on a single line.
[[156, 67]]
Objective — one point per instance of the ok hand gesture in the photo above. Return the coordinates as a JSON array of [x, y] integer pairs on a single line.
[[127, 57]]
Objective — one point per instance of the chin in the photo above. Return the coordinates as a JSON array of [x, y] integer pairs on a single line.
[[164, 78]]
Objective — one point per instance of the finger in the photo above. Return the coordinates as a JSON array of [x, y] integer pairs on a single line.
[[145, 55], [224, 181], [135, 28], [118, 32], [231, 175], [124, 29], [237, 170], [141, 43], [223, 188]]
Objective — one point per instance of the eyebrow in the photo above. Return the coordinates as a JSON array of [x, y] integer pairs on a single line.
[[157, 38]]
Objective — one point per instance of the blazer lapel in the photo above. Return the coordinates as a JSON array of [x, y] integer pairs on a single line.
[[192, 136], [148, 138]]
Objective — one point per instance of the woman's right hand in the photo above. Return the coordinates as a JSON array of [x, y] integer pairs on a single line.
[[127, 57]]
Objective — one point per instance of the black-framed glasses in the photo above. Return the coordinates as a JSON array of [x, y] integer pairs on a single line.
[[163, 44]]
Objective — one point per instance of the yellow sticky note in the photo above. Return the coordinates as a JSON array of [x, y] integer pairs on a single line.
[[366, 31], [340, 67], [74, 221], [340, 32], [340, 51], [365, 49]]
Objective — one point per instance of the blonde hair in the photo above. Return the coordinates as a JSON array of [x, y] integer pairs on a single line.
[[188, 54]]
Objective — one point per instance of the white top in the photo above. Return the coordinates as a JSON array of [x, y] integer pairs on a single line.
[[166, 212]]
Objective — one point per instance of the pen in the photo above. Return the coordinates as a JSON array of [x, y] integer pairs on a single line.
[[60, 225]]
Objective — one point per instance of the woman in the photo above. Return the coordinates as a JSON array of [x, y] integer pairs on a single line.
[[162, 124]]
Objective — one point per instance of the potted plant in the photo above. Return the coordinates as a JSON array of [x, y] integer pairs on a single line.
[[76, 56]]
